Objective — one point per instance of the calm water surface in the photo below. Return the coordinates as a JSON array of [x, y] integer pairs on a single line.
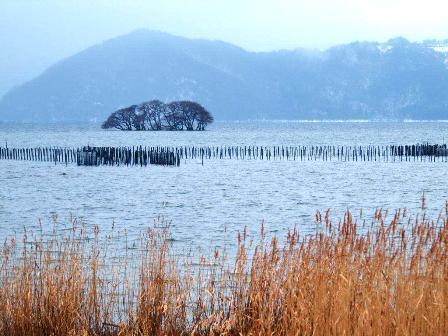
[[208, 204]]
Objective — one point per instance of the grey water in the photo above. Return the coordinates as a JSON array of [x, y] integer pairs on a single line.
[[208, 204]]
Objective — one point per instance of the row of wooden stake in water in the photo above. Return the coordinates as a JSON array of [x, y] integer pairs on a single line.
[[172, 156], [95, 156]]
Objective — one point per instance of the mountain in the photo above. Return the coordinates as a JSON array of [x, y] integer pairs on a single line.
[[362, 80]]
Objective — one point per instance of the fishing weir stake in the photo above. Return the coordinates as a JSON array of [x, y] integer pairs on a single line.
[[171, 156], [387, 153], [95, 156]]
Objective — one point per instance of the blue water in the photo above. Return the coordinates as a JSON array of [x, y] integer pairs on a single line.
[[208, 204]]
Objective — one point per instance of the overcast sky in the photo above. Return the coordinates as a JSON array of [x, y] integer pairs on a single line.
[[36, 33]]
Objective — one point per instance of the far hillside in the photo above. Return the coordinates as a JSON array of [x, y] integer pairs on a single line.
[[362, 80]]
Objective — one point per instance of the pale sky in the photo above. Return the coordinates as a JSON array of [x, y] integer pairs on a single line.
[[36, 33]]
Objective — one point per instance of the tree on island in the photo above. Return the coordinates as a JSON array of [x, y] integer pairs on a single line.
[[152, 112], [123, 119], [155, 115]]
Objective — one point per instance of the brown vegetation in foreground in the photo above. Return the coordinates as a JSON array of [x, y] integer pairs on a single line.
[[388, 278]]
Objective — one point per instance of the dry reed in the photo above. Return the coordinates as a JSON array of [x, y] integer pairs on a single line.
[[386, 278]]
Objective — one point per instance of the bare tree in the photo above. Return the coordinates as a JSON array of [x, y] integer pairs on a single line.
[[153, 112], [190, 111], [189, 114], [155, 115], [122, 119], [138, 120], [173, 116], [204, 118]]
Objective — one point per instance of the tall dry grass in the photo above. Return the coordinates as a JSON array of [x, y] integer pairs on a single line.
[[386, 278]]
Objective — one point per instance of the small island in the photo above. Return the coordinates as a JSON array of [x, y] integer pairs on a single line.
[[155, 115]]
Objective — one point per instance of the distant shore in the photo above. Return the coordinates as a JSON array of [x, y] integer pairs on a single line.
[[254, 121]]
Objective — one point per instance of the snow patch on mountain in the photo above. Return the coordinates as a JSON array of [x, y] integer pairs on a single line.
[[441, 49], [384, 48]]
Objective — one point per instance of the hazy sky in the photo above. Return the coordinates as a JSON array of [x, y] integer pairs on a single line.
[[36, 33]]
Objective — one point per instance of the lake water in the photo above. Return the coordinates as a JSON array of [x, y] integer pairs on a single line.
[[208, 204]]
